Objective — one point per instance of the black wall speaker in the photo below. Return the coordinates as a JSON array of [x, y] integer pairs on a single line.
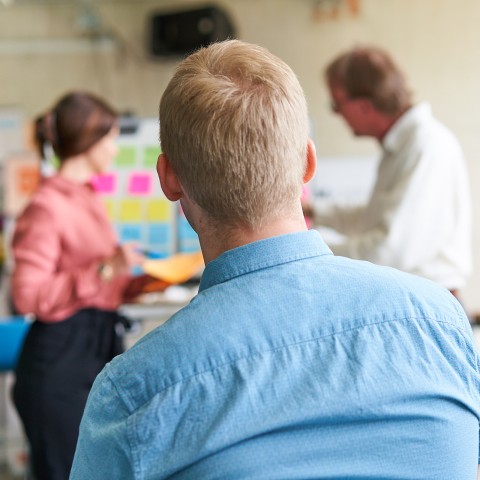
[[180, 33]]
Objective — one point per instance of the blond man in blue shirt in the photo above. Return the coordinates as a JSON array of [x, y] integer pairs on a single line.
[[290, 362]]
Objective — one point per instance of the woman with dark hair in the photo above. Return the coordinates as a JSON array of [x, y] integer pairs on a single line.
[[71, 274]]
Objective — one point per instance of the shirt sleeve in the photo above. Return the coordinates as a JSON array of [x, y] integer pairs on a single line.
[[345, 219], [369, 230], [103, 448], [38, 285]]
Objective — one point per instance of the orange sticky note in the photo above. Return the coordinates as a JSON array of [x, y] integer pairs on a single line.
[[176, 269], [28, 179]]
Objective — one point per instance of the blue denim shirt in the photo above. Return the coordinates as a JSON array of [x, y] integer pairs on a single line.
[[292, 363]]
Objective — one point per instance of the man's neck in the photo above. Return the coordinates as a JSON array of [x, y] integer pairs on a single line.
[[215, 241], [388, 122]]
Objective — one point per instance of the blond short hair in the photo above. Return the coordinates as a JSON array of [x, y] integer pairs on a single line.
[[234, 125]]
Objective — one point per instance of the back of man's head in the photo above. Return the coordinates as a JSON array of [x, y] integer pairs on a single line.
[[234, 126], [370, 72]]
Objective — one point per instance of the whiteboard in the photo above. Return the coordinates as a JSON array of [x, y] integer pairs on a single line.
[[344, 179]]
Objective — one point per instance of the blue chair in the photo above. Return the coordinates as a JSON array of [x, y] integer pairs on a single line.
[[12, 335]]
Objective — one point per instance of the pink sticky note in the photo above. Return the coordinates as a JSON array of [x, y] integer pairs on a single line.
[[104, 184], [139, 183]]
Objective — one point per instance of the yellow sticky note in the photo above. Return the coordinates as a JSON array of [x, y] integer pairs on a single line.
[[130, 210], [109, 207], [176, 269], [159, 210]]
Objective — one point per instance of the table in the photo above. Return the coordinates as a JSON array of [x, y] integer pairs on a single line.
[[154, 309]]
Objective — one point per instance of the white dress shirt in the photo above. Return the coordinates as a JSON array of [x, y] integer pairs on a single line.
[[418, 217]]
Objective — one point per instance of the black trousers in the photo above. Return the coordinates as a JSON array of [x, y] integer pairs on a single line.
[[54, 374]]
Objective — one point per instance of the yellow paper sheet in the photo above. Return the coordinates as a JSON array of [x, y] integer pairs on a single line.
[[176, 269]]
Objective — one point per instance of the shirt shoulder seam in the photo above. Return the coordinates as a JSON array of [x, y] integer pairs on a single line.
[[132, 407]]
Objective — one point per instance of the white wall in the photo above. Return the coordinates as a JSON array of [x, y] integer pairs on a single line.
[[436, 41]]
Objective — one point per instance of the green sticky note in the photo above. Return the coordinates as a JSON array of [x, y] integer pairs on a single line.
[[151, 156], [126, 157]]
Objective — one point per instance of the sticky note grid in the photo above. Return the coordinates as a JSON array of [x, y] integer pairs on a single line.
[[134, 201]]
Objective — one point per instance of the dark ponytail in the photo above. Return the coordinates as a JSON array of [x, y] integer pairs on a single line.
[[44, 132]]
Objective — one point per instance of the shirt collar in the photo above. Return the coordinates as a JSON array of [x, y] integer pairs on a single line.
[[417, 113], [67, 186], [263, 254]]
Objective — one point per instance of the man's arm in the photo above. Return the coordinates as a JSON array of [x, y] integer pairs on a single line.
[[345, 219], [103, 448]]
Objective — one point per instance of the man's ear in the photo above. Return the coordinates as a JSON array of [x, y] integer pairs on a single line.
[[311, 165], [171, 186], [367, 106]]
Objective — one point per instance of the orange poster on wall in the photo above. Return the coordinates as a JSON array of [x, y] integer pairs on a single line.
[[21, 178]]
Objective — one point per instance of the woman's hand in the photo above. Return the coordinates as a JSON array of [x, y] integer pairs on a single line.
[[126, 257]]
